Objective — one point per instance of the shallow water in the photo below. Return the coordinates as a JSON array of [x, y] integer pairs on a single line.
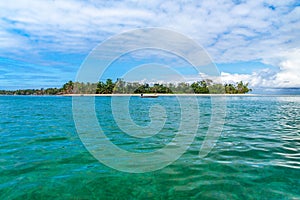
[[257, 155]]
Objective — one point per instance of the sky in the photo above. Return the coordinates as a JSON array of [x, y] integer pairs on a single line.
[[43, 43]]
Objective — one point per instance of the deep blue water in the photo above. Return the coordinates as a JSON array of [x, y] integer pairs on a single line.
[[257, 155]]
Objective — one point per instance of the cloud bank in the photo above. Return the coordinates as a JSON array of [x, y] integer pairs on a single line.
[[231, 31], [287, 76]]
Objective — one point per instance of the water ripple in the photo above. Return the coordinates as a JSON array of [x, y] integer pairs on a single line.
[[256, 157]]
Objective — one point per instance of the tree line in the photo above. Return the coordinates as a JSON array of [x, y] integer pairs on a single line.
[[122, 87]]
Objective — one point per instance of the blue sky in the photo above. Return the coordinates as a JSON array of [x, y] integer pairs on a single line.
[[43, 43]]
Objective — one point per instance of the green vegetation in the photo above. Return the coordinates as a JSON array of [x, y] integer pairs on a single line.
[[239, 88], [122, 87]]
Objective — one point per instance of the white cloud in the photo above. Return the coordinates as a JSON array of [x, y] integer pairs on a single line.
[[287, 76]]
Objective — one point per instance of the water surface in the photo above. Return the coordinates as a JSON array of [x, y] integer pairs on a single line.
[[256, 157]]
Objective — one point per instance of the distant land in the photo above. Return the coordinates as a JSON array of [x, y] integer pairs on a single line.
[[121, 87], [278, 91]]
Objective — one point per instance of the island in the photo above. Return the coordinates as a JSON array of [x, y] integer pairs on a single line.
[[120, 86]]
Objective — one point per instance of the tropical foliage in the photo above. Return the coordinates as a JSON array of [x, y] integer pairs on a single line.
[[122, 87]]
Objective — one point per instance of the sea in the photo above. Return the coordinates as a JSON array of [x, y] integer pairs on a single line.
[[44, 154]]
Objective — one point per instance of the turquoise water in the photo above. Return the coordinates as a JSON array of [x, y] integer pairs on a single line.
[[256, 157]]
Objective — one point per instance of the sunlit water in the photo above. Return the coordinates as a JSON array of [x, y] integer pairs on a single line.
[[256, 157]]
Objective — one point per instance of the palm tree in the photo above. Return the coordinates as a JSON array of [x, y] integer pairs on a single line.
[[68, 87]]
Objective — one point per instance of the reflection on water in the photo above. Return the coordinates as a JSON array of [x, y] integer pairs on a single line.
[[256, 157]]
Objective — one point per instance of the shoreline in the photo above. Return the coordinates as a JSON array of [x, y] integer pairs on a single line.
[[138, 95], [162, 95]]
